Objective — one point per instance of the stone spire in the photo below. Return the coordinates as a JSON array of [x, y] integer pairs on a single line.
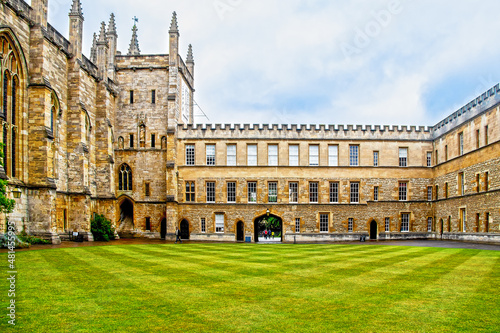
[[102, 34], [190, 54], [112, 25], [76, 28], [93, 49], [112, 38], [102, 52], [76, 8], [173, 26], [190, 60], [134, 43]]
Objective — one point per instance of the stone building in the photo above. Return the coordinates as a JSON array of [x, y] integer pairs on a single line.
[[114, 135]]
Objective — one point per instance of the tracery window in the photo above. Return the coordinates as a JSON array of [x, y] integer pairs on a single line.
[[11, 101], [125, 178]]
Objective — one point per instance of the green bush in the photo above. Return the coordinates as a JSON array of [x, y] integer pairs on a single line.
[[102, 229], [5, 241], [24, 237]]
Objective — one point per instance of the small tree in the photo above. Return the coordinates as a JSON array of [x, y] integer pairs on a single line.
[[102, 229]]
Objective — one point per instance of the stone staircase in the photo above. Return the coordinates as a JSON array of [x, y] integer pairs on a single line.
[[126, 228]]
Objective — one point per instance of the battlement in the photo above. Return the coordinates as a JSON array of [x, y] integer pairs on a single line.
[[302, 131], [89, 67], [141, 62], [56, 38], [20, 7], [478, 105]]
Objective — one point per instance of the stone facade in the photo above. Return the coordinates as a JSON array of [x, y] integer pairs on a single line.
[[114, 135]]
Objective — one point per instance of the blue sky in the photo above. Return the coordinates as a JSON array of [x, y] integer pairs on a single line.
[[403, 62]]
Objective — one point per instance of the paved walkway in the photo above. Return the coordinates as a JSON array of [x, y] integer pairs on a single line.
[[145, 241], [269, 240]]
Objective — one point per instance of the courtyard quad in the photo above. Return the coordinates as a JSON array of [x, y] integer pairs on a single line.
[[256, 288]]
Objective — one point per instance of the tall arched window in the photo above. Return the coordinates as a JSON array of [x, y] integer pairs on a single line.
[[5, 127], [52, 113], [5, 93], [11, 94], [125, 178], [14, 127]]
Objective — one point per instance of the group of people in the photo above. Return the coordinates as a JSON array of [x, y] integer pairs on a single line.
[[268, 234]]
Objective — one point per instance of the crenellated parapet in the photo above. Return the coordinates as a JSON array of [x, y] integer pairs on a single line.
[[89, 67], [142, 62], [472, 109], [279, 131], [57, 39], [21, 8]]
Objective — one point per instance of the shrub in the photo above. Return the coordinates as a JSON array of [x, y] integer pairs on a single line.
[[5, 241], [102, 229], [24, 237]]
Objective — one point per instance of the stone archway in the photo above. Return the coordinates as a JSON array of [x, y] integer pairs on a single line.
[[262, 223], [373, 230], [126, 223], [184, 229], [240, 231]]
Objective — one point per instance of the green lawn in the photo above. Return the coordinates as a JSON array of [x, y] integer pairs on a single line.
[[255, 288]]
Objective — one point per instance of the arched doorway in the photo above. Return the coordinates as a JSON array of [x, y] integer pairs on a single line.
[[240, 231], [184, 229], [271, 223], [373, 230], [126, 223], [163, 228]]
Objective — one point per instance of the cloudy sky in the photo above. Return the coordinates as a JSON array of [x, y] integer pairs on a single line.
[[403, 62]]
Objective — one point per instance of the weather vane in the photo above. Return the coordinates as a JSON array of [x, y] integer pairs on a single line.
[[135, 19]]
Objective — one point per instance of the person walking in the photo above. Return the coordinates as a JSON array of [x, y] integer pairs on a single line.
[[177, 235]]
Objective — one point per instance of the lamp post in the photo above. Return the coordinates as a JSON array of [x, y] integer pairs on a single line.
[[267, 212]]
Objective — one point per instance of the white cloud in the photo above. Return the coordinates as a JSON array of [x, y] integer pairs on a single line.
[[277, 61]]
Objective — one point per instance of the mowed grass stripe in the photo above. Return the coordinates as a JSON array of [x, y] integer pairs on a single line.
[[69, 277], [341, 300], [467, 306], [383, 303], [157, 301], [184, 269], [373, 275], [111, 291], [259, 288], [37, 289], [220, 267]]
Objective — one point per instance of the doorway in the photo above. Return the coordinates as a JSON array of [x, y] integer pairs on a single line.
[[271, 224], [163, 229], [126, 224], [184, 229], [373, 230], [240, 232]]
